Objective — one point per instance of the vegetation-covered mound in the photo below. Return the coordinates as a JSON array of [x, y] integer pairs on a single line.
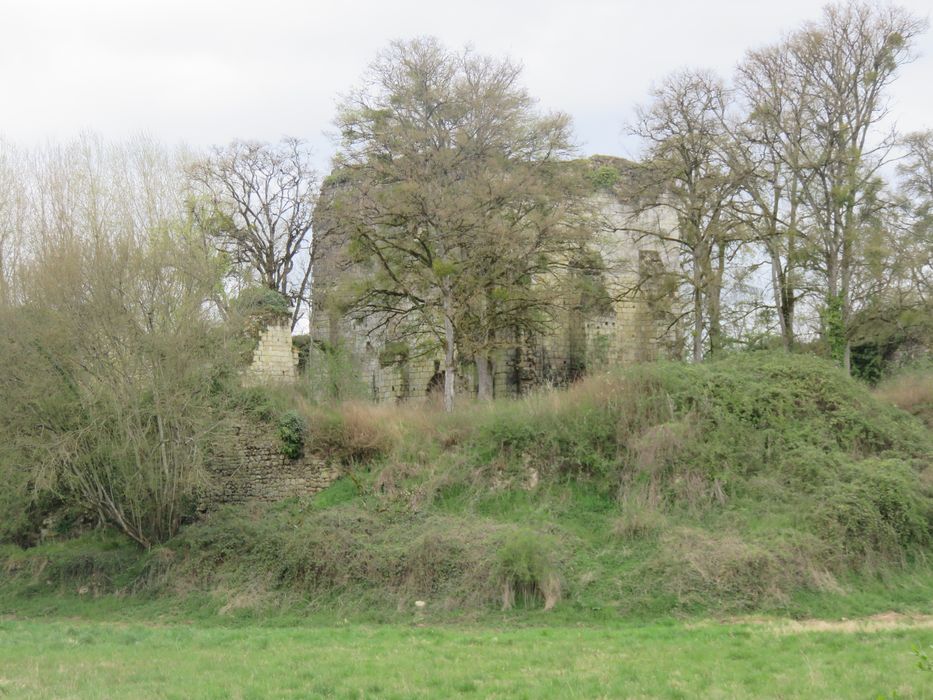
[[745, 484]]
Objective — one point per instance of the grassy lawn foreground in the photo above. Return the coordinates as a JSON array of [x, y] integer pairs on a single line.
[[77, 659]]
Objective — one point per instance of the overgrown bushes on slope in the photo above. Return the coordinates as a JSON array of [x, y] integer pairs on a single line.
[[730, 486]]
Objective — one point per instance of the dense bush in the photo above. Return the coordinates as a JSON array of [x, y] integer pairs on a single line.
[[109, 370], [261, 301], [292, 432], [877, 508], [346, 550]]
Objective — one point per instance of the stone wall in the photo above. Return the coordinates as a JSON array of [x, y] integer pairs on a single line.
[[275, 358], [250, 466]]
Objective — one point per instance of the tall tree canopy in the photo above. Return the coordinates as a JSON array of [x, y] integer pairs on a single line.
[[255, 201], [455, 193], [689, 171], [785, 171]]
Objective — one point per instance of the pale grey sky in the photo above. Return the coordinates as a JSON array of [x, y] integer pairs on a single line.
[[206, 71]]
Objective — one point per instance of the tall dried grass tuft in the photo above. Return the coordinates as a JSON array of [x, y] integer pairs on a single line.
[[912, 392]]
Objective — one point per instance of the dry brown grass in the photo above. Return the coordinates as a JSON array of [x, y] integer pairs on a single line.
[[699, 563], [638, 523], [872, 623], [657, 447], [356, 430], [361, 430], [642, 515], [911, 392], [549, 590], [255, 595]]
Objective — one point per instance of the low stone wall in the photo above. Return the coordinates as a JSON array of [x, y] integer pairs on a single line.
[[251, 467]]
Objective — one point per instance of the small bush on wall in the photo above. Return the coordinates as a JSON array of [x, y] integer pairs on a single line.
[[292, 432]]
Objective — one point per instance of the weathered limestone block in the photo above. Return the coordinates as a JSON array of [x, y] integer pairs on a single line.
[[275, 358]]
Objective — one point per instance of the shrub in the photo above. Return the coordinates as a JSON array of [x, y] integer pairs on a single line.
[[20, 518], [725, 486], [261, 301], [527, 570], [876, 510], [303, 344], [255, 401], [333, 374], [98, 562], [735, 572], [292, 432], [604, 177], [355, 431], [108, 373], [321, 552]]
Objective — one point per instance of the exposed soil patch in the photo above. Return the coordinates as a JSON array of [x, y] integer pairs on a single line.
[[873, 623]]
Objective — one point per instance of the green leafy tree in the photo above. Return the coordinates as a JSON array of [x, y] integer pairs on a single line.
[[454, 192]]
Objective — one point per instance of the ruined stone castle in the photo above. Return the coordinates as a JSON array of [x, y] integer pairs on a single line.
[[632, 323]]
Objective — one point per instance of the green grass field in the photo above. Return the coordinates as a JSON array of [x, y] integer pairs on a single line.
[[60, 658]]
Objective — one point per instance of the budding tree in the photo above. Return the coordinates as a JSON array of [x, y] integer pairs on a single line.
[[769, 153], [917, 182], [454, 193], [689, 171], [836, 74], [109, 355]]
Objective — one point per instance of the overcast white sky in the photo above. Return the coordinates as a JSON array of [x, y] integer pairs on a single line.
[[206, 71]]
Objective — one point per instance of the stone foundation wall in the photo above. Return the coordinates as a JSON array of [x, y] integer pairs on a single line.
[[629, 333], [251, 467]]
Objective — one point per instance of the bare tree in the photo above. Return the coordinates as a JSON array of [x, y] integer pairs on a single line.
[[689, 171], [843, 66], [259, 201]]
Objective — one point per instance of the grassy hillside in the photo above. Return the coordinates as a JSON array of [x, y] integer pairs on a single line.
[[764, 483]]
